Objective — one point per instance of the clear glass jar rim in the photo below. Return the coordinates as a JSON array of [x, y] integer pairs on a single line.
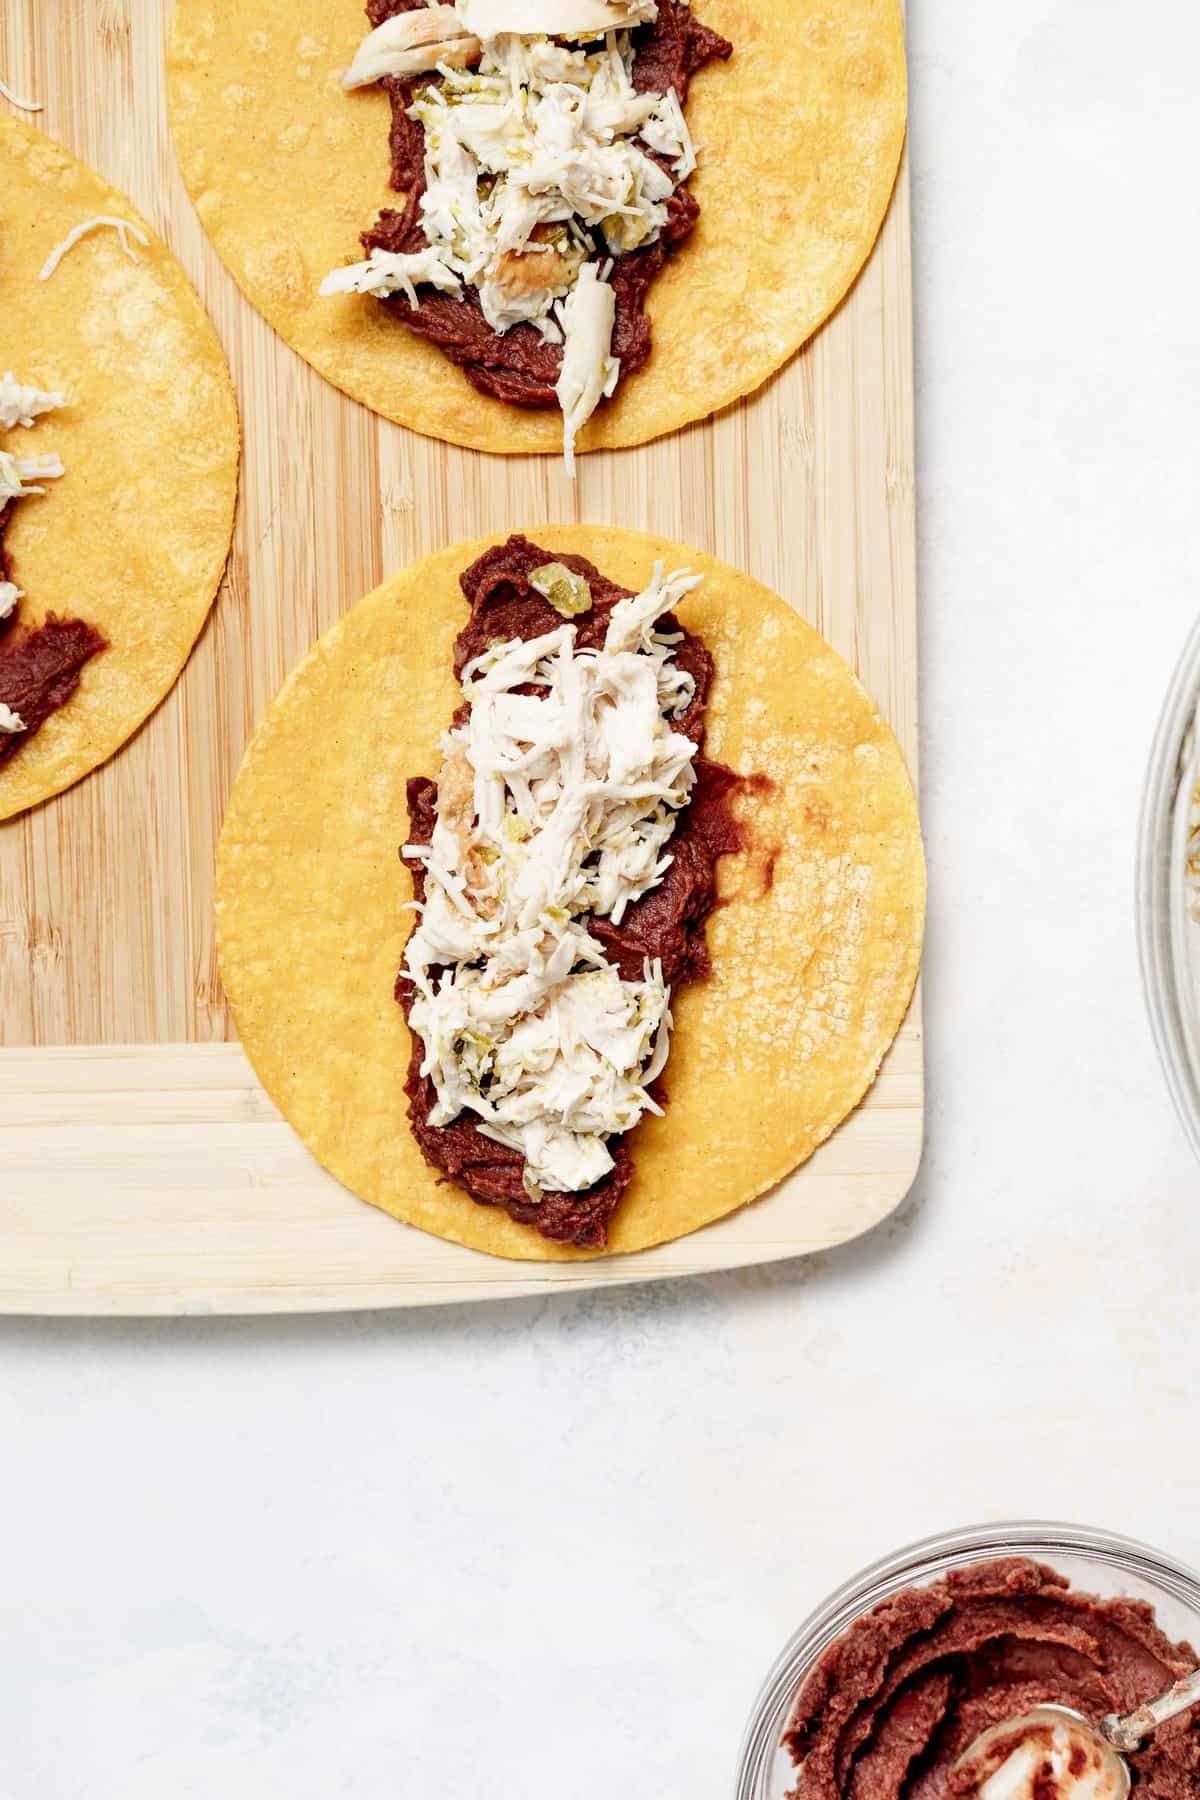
[[920, 1561], [1161, 900]]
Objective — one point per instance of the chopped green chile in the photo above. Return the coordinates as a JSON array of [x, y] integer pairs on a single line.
[[567, 592]]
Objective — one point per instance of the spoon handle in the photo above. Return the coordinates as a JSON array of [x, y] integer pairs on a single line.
[[1125, 1731]]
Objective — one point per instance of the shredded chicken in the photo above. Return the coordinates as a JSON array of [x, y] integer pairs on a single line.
[[537, 170], [21, 405], [413, 43], [122, 227], [555, 18], [558, 796], [21, 475]]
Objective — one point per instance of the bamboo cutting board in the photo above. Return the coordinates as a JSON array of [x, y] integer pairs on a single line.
[[142, 1168]]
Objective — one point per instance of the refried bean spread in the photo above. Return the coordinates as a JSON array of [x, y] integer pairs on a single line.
[[892, 1705], [544, 165], [40, 665], [519, 365], [664, 928]]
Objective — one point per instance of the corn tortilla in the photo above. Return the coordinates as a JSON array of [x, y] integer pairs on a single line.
[[135, 535], [800, 137], [815, 946]]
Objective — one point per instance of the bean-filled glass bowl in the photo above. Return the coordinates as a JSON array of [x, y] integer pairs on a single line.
[[1097, 1562], [1165, 928]]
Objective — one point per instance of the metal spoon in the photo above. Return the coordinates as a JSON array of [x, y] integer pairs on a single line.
[[1103, 1774]]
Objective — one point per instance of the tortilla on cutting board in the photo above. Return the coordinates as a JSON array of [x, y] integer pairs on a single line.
[[132, 538], [799, 136], [814, 945]]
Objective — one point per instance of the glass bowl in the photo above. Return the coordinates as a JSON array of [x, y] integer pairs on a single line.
[[1095, 1561], [1164, 928]]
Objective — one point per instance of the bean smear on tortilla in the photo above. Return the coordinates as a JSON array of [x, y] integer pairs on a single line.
[[119, 458], [544, 155], [40, 665], [784, 990], [564, 865]]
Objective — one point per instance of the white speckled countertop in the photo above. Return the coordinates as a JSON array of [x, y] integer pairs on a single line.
[[537, 1551]]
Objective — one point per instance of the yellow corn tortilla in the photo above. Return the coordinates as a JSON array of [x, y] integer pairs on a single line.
[[135, 535], [815, 949], [799, 134]]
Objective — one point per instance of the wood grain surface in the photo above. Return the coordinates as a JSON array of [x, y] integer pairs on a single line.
[[106, 935], [169, 1183]]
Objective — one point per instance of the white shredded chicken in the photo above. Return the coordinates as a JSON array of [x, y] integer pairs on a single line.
[[122, 227], [21, 405], [589, 370], [21, 475], [552, 805], [412, 43], [15, 99], [537, 171], [555, 18]]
